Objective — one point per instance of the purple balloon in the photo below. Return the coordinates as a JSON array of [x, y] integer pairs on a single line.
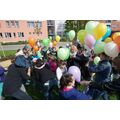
[[90, 41], [75, 71]]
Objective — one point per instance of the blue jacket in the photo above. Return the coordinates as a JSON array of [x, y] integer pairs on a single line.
[[102, 70], [73, 94]]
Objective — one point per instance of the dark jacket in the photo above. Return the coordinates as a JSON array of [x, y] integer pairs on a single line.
[[102, 70], [42, 75], [14, 79], [73, 94]]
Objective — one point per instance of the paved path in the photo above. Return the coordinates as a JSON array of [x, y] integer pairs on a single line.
[[16, 47], [5, 63]]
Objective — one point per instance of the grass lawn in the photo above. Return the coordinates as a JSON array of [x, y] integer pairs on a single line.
[[36, 94], [8, 53]]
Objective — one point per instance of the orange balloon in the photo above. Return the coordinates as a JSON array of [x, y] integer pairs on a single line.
[[117, 41], [54, 43], [31, 42], [35, 48], [115, 35]]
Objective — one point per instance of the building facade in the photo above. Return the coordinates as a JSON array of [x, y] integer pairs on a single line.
[[59, 27], [51, 28], [21, 30]]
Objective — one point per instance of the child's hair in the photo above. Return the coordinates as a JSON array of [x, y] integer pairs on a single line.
[[65, 80], [61, 63]]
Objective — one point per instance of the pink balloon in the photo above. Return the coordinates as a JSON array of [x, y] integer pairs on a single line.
[[90, 41], [75, 71]]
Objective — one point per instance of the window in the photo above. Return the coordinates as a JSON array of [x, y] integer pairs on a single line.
[[39, 24], [20, 34], [17, 24], [10, 35], [30, 24], [1, 36], [13, 23], [8, 24], [7, 35], [14, 34]]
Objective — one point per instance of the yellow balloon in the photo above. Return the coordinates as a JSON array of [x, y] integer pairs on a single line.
[[99, 30], [107, 40], [57, 38]]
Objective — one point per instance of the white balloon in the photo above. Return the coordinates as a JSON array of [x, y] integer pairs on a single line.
[[111, 49]]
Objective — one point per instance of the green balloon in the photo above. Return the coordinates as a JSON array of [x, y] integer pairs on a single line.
[[99, 47], [81, 35], [63, 53], [39, 54], [71, 35], [50, 38], [90, 26], [96, 60], [46, 42]]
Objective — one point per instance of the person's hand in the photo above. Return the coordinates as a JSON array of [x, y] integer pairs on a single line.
[[84, 82], [29, 71]]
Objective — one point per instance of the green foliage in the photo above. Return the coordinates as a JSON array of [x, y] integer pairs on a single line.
[[15, 43], [75, 25]]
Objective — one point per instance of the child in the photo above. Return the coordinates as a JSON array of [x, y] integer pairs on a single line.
[[62, 69], [2, 78], [13, 84], [44, 78], [68, 92]]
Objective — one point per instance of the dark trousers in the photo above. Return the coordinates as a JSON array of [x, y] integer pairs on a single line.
[[48, 87]]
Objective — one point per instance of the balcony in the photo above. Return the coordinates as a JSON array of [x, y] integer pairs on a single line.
[[50, 23], [51, 33]]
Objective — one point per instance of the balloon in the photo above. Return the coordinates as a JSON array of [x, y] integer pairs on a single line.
[[31, 42], [81, 35], [99, 47], [75, 71], [39, 54], [90, 26], [57, 38], [107, 40], [71, 35], [117, 40], [99, 30], [96, 60], [63, 53], [46, 42], [51, 45], [111, 49], [90, 41], [50, 38], [38, 44], [108, 33], [116, 34], [35, 48], [54, 43]]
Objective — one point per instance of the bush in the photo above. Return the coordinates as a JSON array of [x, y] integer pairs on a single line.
[[15, 43]]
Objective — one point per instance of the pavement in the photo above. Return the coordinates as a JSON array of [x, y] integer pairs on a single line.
[[16, 47], [5, 63]]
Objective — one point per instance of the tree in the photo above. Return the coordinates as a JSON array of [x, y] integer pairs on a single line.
[[75, 25]]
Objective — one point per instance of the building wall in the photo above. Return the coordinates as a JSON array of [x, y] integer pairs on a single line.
[[59, 27], [23, 28]]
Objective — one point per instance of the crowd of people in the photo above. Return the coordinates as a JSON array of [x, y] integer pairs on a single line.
[[47, 72]]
